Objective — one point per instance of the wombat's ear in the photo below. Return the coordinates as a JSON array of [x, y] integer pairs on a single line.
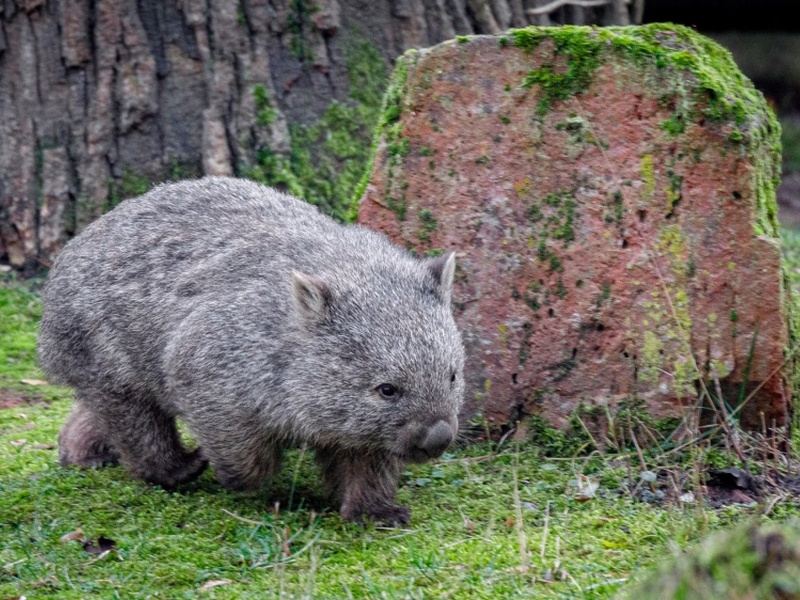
[[442, 268], [312, 296]]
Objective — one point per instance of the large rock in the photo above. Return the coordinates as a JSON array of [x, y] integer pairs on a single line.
[[611, 196]]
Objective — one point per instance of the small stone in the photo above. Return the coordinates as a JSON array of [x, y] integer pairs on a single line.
[[648, 476]]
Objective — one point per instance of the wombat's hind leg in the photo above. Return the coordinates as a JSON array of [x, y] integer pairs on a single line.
[[84, 442], [147, 440], [366, 485]]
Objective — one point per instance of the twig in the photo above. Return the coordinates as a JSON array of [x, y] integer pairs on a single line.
[[545, 532], [556, 4], [242, 519], [764, 435], [772, 502], [505, 436], [639, 452], [296, 474], [725, 423], [522, 540], [648, 432], [772, 374]]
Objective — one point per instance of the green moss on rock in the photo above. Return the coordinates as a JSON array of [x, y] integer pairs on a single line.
[[749, 562], [718, 90], [391, 109]]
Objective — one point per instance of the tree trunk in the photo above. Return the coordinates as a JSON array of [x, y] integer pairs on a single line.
[[100, 100]]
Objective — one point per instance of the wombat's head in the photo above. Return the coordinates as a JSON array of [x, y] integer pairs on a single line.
[[384, 357]]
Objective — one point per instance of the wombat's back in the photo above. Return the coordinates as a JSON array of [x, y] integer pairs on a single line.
[[117, 290]]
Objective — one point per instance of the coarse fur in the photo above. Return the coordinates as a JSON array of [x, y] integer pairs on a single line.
[[262, 324]]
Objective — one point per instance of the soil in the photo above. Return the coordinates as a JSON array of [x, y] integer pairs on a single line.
[[735, 486], [10, 399]]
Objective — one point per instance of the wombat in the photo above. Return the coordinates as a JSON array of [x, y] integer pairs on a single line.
[[262, 324]]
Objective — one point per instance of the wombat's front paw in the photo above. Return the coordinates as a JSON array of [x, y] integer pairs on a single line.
[[194, 463], [391, 515], [190, 467]]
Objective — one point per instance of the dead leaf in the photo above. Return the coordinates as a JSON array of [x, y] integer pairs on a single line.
[[26, 426], [510, 522], [214, 583], [103, 546], [521, 569], [605, 519], [469, 525], [72, 536], [34, 382], [18, 443]]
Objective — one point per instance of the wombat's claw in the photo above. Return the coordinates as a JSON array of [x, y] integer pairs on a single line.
[[390, 515], [192, 465]]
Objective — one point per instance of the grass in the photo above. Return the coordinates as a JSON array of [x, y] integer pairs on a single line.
[[488, 521]]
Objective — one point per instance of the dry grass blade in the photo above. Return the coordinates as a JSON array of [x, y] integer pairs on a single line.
[[522, 540]]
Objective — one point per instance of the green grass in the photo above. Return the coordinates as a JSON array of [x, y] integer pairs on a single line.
[[486, 522]]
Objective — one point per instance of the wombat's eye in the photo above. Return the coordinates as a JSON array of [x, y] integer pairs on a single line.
[[452, 377], [387, 390]]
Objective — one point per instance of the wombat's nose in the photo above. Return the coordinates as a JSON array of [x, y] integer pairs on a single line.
[[437, 439]]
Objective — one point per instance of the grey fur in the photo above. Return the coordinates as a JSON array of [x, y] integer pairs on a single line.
[[262, 324]]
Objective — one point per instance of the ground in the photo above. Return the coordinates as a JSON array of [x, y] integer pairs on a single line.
[[534, 517]]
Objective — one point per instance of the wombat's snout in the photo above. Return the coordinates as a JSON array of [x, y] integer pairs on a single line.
[[435, 440]]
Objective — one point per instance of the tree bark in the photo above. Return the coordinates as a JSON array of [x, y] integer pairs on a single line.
[[99, 100]]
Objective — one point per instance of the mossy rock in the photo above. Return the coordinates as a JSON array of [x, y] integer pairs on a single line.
[[751, 562], [611, 195]]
